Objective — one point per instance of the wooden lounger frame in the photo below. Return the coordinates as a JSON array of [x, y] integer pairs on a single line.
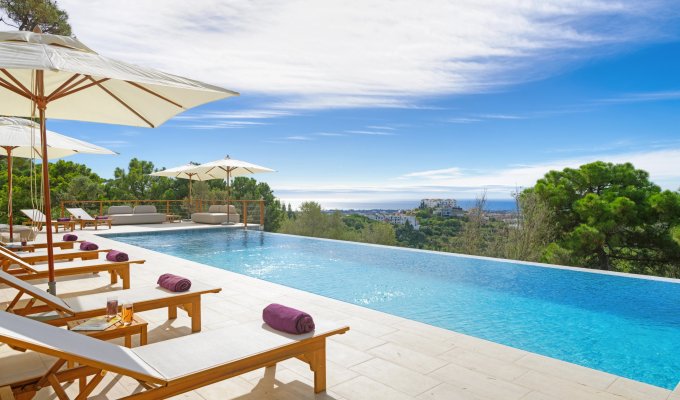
[[64, 245], [26, 272], [188, 301], [311, 350]]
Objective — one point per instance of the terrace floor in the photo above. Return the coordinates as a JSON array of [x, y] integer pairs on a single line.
[[381, 357]]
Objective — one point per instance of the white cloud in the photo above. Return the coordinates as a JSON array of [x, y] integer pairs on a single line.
[[363, 53], [371, 133], [243, 114], [464, 183], [330, 134], [298, 138], [445, 173], [643, 97]]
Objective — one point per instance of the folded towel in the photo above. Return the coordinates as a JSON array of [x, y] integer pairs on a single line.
[[69, 237], [174, 283], [88, 246], [287, 319], [115, 255], [63, 219], [101, 217]]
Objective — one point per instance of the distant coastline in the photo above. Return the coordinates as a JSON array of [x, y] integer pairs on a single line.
[[491, 205]]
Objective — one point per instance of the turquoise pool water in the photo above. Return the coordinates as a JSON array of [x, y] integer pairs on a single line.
[[624, 325]]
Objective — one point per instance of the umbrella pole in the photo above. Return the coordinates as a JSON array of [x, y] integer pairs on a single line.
[[42, 105], [9, 194]]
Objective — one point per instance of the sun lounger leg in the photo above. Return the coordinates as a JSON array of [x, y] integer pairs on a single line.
[[317, 363], [196, 314], [125, 276], [172, 312], [114, 277]]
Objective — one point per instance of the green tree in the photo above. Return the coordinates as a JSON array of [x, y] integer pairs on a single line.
[[534, 230], [244, 188], [24, 15], [137, 184], [408, 236], [610, 216]]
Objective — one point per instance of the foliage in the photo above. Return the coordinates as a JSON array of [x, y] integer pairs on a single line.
[[24, 15], [310, 220], [610, 216], [243, 188], [535, 229]]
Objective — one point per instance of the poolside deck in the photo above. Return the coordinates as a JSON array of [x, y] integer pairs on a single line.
[[382, 357]]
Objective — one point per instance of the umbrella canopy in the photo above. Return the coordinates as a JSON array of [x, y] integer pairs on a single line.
[[228, 168], [21, 138], [82, 85], [59, 76], [184, 172]]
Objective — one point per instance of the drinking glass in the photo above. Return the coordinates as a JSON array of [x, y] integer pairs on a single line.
[[111, 307], [127, 313]]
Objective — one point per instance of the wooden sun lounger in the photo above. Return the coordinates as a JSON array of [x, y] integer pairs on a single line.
[[40, 255], [166, 368], [84, 219], [58, 311], [23, 269], [34, 246], [38, 219]]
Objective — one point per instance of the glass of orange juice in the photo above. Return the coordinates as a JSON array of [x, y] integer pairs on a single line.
[[127, 313]]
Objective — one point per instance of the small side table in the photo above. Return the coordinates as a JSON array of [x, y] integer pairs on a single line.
[[173, 218], [117, 330]]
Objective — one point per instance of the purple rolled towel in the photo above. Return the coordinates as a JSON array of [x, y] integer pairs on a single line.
[[63, 219], [287, 319], [101, 217], [69, 237], [174, 283], [88, 246], [115, 255]]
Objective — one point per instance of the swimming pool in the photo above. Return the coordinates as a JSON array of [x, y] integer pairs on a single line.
[[624, 325]]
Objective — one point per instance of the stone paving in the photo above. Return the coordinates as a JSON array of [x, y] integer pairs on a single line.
[[381, 357]]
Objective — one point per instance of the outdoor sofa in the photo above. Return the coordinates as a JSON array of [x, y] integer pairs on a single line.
[[217, 214], [126, 215]]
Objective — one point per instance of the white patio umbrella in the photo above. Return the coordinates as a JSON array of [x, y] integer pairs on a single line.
[[184, 172], [228, 168], [21, 138], [44, 74]]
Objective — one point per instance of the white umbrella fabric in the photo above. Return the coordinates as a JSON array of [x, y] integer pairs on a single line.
[[21, 138], [184, 172], [44, 74], [228, 168]]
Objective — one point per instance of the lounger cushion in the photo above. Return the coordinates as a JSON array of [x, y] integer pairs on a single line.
[[136, 295], [144, 210], [217, 214], [54, 340], [218, 347], [126, 215]]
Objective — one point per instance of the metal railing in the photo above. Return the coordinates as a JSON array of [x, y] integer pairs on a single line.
[[251, 211]]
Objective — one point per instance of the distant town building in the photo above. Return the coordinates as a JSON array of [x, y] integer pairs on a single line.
[[395, 218], [443, 207]]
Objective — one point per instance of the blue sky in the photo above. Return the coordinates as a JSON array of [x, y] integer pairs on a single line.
[[377, 101]]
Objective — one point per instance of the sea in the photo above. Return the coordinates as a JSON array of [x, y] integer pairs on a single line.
[[466, 204]]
